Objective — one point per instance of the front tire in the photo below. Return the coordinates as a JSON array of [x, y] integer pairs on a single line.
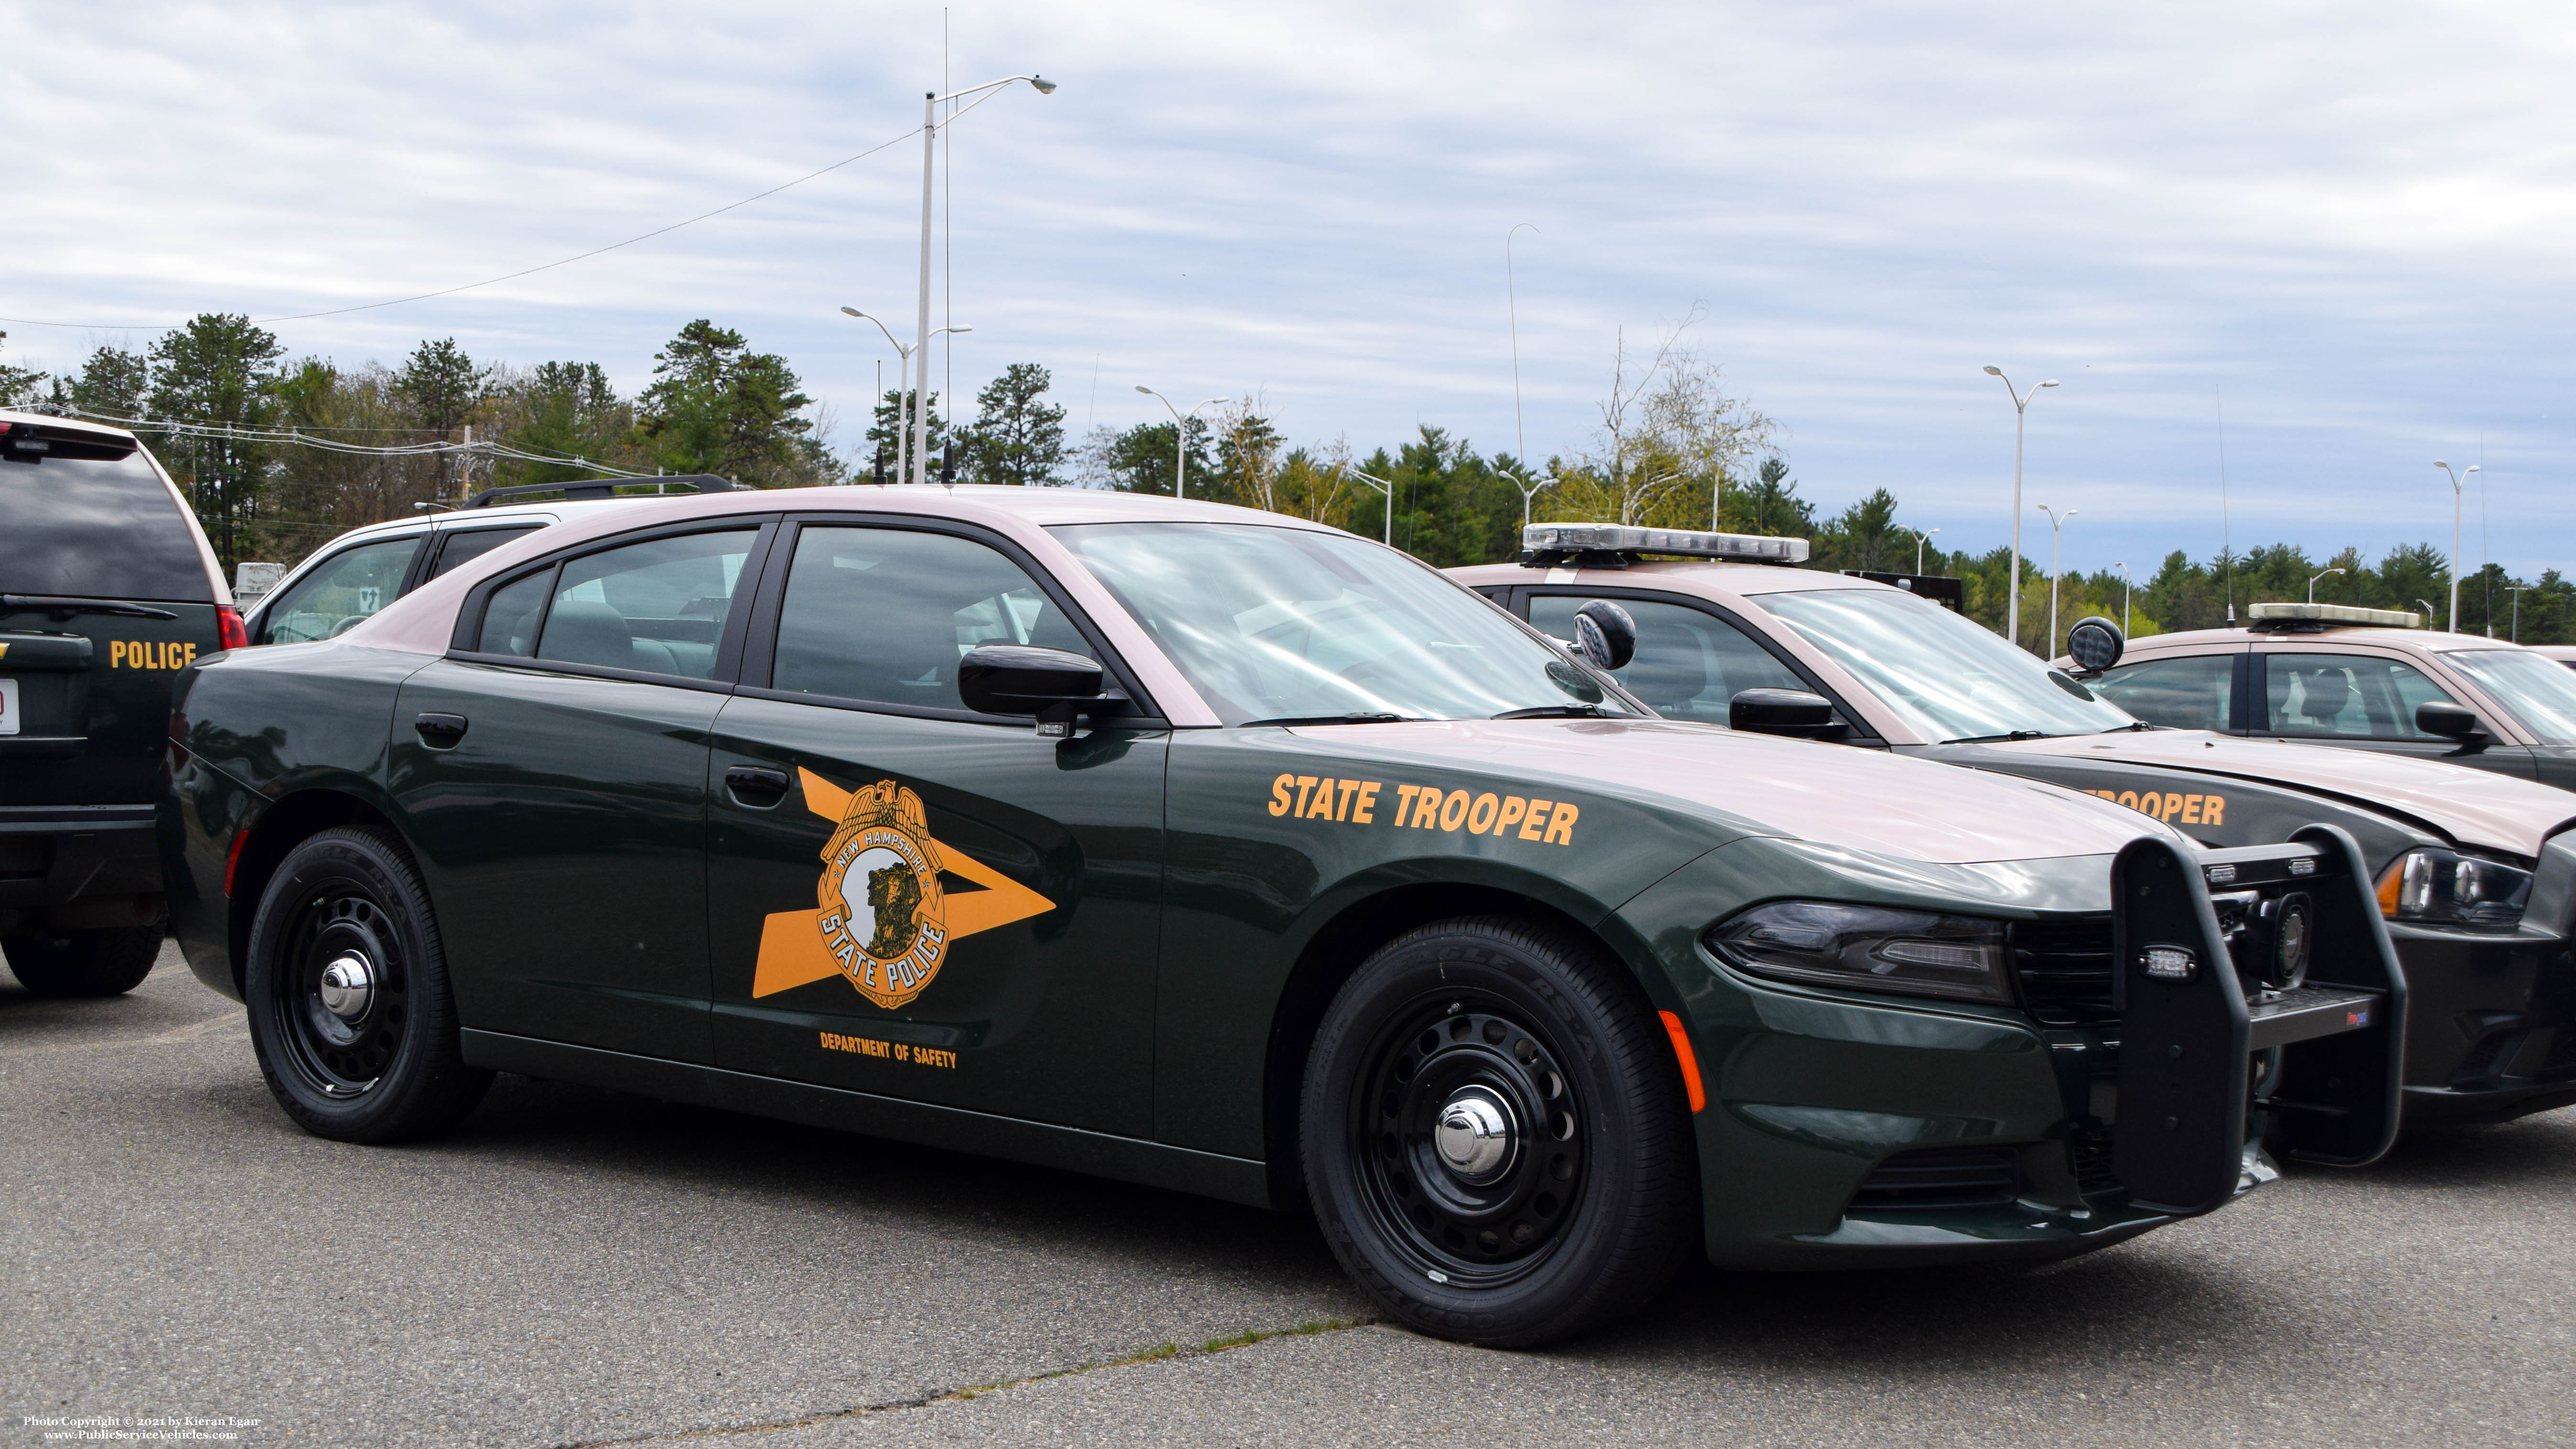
[[1494, 1134], [105, 962], [350, 1008]]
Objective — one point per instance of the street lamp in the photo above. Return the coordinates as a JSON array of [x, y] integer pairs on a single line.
[[2429, 610], [913, 395], [1181, 440], [1530, 493], [2128, 587], [930, 126], [1921, 537], [2055, 523], [2517, 613], [2312, 584], [2021, 406], [1382, 486], [2455, 540]]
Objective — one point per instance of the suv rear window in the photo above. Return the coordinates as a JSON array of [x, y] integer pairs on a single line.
[[95, 528]]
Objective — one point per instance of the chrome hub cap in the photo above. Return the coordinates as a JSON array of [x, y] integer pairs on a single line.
[[348, 987], [1476, 1136]]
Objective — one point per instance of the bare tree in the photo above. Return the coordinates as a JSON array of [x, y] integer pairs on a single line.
[[1670, 439]]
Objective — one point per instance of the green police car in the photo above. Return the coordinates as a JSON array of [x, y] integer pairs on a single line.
[[1227, 852]]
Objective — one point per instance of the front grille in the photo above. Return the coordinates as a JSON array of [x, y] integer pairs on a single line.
[[1941, 1177], [2065, 970]]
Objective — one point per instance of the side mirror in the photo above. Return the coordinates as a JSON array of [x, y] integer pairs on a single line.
[[2451, 721], [2095, 644], [1023, 679], [1605, 635], [1791, 712]]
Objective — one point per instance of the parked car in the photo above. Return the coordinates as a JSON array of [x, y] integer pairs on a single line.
[[359, 572], [107, 590], [1224, 851], [2362, 679], [2477, 870]]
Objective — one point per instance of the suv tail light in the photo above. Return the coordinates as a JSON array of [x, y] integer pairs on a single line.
[[228, 621]]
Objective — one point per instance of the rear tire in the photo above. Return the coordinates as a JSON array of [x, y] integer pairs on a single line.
[[106, 962], [1575, 1210], [372, 1055]]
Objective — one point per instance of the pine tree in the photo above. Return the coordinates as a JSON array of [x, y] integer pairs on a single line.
[[1017, 438]]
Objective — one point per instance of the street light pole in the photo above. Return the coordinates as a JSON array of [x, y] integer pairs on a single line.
[[1181, 437], [2128, 587], [2312, 584], [2517, 612], [2055, 524], [930, 125], [2455, 540], [2021, 407], [1383, 486], [1921, 537], [911, 398], [1530, 493]]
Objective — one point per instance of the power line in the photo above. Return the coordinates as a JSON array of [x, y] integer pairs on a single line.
[[296, 438], [512, 276]]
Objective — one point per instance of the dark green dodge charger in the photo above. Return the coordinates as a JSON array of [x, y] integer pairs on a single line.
[[1228, 852]]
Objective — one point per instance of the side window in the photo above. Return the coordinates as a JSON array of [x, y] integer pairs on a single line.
[[343, 590], [2195, 692], [2345, 696], [884, 614], [1689, 664], [464, 545], [510, 619], [657, 606]]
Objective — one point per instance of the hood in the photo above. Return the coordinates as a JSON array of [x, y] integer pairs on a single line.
[[1864, 800], [2474, 807]]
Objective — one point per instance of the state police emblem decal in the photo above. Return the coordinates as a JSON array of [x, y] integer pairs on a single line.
[[883, 917]]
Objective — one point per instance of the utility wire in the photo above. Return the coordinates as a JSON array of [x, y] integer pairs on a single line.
[[297, 438], [512, 276]]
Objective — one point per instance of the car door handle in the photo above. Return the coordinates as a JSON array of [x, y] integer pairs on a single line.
[[756, 787], [440, 731]]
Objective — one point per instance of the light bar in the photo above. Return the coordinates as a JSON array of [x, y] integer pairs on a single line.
[[2334, 614], [1619, 538]]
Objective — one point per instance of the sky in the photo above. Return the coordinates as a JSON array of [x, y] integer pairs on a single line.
[[2341, 229]]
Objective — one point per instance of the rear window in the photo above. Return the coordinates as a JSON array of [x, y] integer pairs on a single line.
[[94, 528]]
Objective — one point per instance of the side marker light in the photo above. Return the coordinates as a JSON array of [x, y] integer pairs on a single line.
[[232, 861], [1689, 1059]]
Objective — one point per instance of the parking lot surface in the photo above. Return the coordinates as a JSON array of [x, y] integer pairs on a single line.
[[578, 1267]]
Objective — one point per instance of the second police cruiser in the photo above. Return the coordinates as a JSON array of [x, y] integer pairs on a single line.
[[2475, 871]]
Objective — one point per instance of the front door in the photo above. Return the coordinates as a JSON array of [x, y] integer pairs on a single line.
[[554, 780], [2361, 701], [911, 899]]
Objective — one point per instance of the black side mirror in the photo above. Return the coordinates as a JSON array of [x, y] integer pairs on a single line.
[[2451, 721], [2094, 644], [1605, 635], [1023, 679], [1791, 712]]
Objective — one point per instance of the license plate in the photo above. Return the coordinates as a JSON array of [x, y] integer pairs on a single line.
[[8, 706]]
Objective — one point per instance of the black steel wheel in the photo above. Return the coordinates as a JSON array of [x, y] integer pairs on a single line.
[[1494, 1134], [349, 1005], [107, 961]]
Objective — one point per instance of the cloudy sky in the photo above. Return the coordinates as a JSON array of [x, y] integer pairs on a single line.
[[2348, 225]]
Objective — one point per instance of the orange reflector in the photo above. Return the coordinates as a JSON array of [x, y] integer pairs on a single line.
[[1689, 1059], [232, 861], [2388, 887]]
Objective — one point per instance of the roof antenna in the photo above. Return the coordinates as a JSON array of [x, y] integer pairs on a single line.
[[2226, 541]]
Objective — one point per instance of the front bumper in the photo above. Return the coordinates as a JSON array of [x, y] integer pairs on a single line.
[[1845, 1129], [2492, 1034], [78, 867]]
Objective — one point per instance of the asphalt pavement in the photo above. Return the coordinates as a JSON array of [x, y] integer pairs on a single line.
[[579, 1267]]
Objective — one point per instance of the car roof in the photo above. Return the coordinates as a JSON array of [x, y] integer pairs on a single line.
[[2429, 640], [57, 420], [1706, 577]]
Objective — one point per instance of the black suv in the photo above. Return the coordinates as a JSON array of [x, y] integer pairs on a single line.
[[107, 590]]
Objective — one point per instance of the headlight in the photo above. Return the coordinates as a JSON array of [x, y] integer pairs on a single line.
[[2447, 888], [1868, 948]]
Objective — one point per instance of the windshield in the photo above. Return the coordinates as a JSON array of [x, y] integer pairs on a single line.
[[1282, 623], [1945, 677], [2539, 690]]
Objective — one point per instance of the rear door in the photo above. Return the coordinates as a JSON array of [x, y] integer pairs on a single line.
[[913, 900], [105, 594], [2177, 691], [552, 770]]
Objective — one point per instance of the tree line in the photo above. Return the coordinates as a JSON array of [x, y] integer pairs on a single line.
[[1671, 448]]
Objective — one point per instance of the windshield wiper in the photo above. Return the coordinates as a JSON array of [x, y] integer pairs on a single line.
[[1354, 717], [61, 608], [2132, 727], [2002, 739], [1555, 711]]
